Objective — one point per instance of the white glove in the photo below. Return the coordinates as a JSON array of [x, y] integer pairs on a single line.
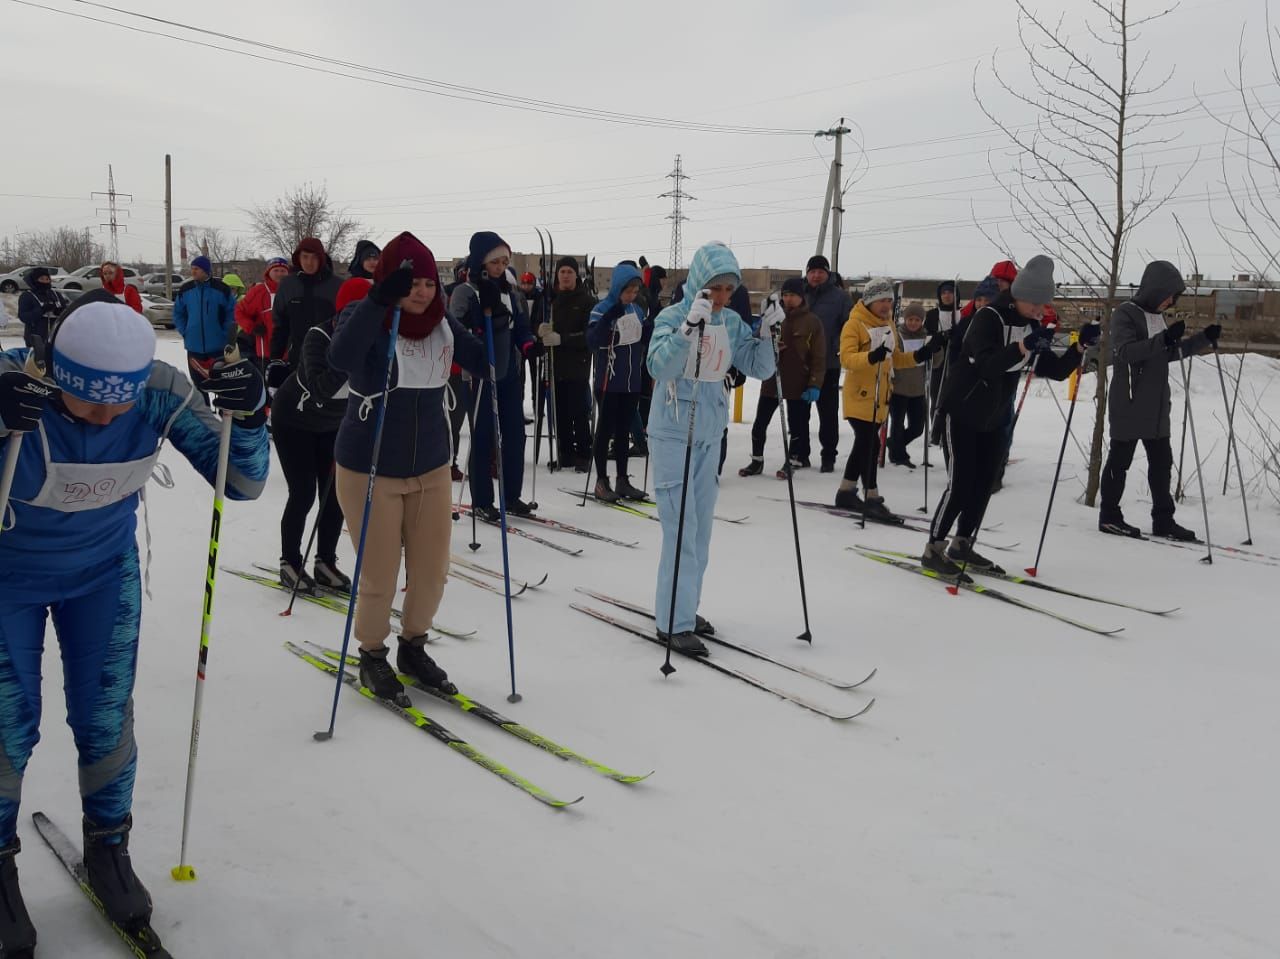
[[699, 315], [771, 316], [548, 336]]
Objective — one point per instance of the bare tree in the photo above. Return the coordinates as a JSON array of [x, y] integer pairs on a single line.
[[304, 211], [219, 247], [1073, 188], [64, 247]]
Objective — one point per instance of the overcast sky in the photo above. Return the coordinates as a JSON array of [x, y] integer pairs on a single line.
[[80, 95]]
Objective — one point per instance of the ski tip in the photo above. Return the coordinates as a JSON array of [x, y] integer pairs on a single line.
[[182, 873], [565, 803], [1030, 571], [861, 712]]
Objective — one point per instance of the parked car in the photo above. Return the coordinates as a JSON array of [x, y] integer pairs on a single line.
[[153, 283], [87, 278], [15, 280], [158, 310]]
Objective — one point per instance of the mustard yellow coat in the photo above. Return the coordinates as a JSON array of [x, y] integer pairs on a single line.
[[860, 376]]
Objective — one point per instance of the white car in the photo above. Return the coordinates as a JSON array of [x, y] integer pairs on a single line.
[[158, 310], [88, 278], [15, 281], [153, 283]]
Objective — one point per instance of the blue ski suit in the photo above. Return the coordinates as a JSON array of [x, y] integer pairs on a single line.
[[68, 550], [728, 342]]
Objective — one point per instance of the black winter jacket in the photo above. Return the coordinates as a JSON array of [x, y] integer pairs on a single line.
[[314, 397], [302, 301], [570, 312], [832, 306], [38, 306]]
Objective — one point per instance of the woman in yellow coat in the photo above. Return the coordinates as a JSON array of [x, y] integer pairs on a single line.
[[869, 355]]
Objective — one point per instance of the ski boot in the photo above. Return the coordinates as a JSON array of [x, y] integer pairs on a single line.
[[702, 626], [685, 642], [412, 660], [800, 463], [962, 552], [328, 576], [849, 499], [627, 491], [935, 558], [828, 466], [456, 475], [518, 507], [604, 492], [1169, 529], [1116, 526], [291, 575], [17, 934], [754, 468], [109, 871], [377, 676], [876, 510], [488, 514]]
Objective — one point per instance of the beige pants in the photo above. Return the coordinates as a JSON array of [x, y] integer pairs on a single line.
[[417, 513]]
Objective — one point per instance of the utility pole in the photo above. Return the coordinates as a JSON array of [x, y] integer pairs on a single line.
[[833, 205], [113, 212], [168, 227], [677, 217]]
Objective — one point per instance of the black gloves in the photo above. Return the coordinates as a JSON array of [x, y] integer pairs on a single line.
[[876, 356], [490, 294], [612, 314], [237, 387], [931, 347], [1212, 332], [23, 400], [277, 373], [395, 287], [1089, 334], [1039, 339], [1174, 332]]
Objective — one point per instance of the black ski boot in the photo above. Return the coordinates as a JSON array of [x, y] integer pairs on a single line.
[[17, 934], [1169, 529], [877, 511], [962, 552], [849, 499], [488, 514], [627, 491], [935, 558], [412, 660], [800, 462], [685, 642], [1116, 526], [604, 492], [328, 576], [109, 870], [702, 626], [518, 507], [828, 466], [754, 468], [377, 676], [290, 574]]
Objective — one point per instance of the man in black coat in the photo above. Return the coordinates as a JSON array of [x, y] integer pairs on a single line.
[[1142, 346], [830, 304], [39, 306], [564, 336]]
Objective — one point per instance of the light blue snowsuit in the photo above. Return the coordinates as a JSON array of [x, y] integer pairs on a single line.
[[669, 353]]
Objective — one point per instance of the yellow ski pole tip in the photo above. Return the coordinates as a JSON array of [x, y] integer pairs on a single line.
[[184, 873]]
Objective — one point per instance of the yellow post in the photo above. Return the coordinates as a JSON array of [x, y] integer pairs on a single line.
[[1073, 382], [737, 405]]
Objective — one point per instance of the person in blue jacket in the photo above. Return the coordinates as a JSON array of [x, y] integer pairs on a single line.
[[704, 318], [68, 552], [204, 314], [617, 331], [489, 291]]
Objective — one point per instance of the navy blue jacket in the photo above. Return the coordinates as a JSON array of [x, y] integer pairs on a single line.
[[618, 369]]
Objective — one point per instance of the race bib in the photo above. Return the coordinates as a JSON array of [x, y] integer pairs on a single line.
[[717, 355], [881, 336], [1155, 324], [425, 363], [912, 345], [629, 329]]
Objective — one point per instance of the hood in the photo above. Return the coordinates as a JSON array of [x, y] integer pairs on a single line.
[[1160, 280], [32, 279], [712, 260], [116, 285], [623, 274], [233, 280], [406, 246], [867, 318], [312, 244], [481, 245], [363, 248], [942, 288]]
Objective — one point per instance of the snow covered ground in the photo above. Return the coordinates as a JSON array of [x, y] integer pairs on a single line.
[[1021, 788]]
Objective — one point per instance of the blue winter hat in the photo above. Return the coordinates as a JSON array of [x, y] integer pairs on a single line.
[[988, 289], [203, 263], [102, 352]]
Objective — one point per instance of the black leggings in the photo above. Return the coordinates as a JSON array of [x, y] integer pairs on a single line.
[[865, 458], [973, 457], [307, 462], [1159, 475], [613, 422]]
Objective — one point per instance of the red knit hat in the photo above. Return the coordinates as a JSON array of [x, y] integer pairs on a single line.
[[406, 246], [1005, 270], [352, 291]]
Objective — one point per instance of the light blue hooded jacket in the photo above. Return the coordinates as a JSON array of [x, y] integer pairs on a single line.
[[669, 352]]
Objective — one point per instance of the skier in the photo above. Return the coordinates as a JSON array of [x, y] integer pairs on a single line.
[[113, 282], [906, 405], [68, 551], [364, 260], [802, 364], [831, 304], [39, 305], [253, 312], [411, 504], [870, 360], [1000, 340], [1142, 347], [488, 292], [564, 335], [204, 316], [617, 332], [672, 359], [940, 319]]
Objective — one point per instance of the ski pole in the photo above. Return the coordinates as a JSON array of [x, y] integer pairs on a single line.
[[502, 500], [1033, 570], [1178, 493], [667, 668], [326, 735], [538, 385], [1232, 449], [604, 393], [807, 635], [1195, 451], [875, 412], [183, 871], [315, 527], [928, 435]]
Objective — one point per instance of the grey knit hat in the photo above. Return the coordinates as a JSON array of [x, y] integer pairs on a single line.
[[1034, 283], [877, 289]]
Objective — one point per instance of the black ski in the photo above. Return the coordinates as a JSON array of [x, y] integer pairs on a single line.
[[640, 507], [141, 942], [525, 534], [730, 644], [747, 678], [898, 522], [986, 591]]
